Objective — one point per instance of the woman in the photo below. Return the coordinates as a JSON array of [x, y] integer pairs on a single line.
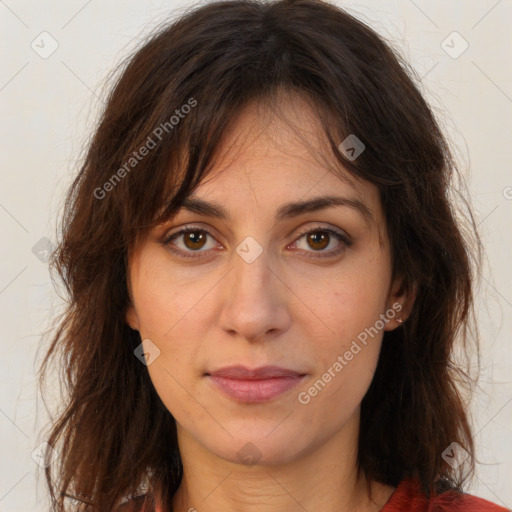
[[266, 278]]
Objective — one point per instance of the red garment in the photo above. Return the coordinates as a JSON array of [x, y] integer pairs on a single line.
[[409, 498]]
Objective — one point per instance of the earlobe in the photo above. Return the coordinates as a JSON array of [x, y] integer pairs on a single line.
[[400, 303], [131, 318]]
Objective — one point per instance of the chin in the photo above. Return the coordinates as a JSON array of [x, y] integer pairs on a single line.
[[259, 446]]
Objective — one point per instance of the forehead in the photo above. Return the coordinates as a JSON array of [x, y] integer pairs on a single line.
[[279, 154], [274, 162], [283, 128]]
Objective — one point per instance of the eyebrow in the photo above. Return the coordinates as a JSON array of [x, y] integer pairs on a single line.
[[286, 211]]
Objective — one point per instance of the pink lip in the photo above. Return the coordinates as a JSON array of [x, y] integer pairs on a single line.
[[254, 385]]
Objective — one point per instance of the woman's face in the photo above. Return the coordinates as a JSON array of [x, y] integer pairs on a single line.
[[254, 289]]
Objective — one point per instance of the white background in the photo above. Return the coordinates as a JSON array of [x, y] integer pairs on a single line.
[[48, 109]]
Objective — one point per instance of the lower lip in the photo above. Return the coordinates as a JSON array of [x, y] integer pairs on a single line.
[[256, 390]]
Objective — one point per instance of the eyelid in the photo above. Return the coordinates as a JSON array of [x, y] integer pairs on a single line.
[[186, 228], [318, 227]]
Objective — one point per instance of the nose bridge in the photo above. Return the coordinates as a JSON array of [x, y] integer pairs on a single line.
[[251, 265], [252, 302]]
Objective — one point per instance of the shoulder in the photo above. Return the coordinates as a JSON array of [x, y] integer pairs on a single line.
[[408, 497], [451, 501]]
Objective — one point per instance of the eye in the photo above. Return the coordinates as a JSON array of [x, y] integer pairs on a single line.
[[194, 239], [319, 237]]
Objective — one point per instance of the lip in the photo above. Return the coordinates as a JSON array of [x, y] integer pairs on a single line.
[[254, 385]]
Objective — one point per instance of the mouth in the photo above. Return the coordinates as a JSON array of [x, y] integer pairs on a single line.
[[254, 385]]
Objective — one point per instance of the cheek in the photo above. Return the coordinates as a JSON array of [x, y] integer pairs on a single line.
[[346, 331], [345, 359], [163, 301], [175, 312], [348, 305]]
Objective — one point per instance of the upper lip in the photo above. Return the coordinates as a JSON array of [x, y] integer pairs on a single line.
[[244, 373]]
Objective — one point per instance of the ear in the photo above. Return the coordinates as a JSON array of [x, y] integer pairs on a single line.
[[131, 317], [131, 314], [399, 304]]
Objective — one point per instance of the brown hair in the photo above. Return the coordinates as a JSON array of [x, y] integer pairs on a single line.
[[175, 97]]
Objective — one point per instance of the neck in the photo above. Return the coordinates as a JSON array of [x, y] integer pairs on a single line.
[[324, 479]]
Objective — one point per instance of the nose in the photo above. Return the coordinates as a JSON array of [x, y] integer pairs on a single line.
[[254, 300]]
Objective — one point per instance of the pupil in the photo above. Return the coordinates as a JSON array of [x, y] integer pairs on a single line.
[[195, 237], [317, 238]]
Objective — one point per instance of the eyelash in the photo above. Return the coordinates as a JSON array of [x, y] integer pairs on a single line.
[[347, 242]]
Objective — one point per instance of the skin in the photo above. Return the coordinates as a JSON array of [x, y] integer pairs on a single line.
[[284, 308]]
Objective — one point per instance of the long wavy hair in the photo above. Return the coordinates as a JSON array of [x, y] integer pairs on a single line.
[[175, 96]]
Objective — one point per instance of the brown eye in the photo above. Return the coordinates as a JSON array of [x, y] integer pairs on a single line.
[[319, 238], [194, 239], [188, 241]]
